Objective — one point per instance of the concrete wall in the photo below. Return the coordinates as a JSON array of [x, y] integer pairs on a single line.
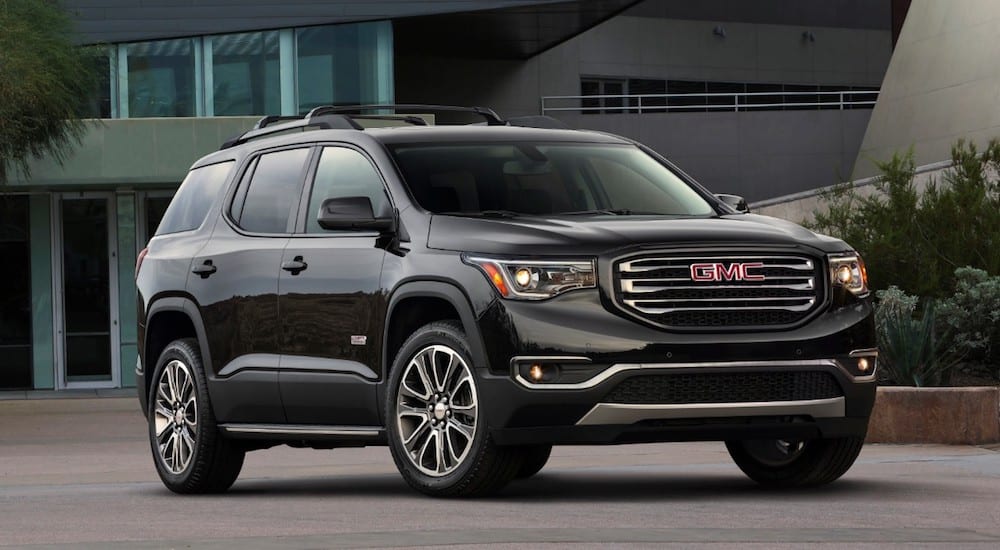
[[650, 47], [135, 152], [943, 83], [757, 154], [799, 207], [754, 154]]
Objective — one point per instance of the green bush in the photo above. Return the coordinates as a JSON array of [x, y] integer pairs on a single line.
[[911, 352], [972, 315], [915, 241]]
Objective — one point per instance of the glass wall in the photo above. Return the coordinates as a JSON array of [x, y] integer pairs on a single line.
[[283, 71], [245, 74], [339, 65], [161, 78]]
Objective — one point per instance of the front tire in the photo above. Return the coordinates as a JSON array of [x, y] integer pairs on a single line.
[[436, 430], [190, 454], [784, 464], [533, 458]]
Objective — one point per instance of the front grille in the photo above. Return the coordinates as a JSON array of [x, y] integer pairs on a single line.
[[720, 291], [750, 387]]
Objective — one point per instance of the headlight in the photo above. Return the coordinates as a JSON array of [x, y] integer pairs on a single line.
[[848, 271], [535, 279]]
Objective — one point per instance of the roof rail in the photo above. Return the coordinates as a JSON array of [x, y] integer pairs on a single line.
[[329, 117], [492, 118], [264, 126], [538, 121]]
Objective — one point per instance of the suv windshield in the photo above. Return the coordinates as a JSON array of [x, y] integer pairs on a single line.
[[544, 178]]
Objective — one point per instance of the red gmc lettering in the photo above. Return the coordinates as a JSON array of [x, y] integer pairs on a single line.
[[720, 272]]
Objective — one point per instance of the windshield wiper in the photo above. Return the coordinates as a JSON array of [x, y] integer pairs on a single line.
[[486, 214], [610, 212]]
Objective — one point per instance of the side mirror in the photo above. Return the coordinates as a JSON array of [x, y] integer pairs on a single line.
[[353, 213], [737, 202]]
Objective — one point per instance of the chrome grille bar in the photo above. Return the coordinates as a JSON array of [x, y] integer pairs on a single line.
[[663, 289]]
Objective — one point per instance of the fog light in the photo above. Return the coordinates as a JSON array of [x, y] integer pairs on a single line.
[[863, 364], [536, 373]]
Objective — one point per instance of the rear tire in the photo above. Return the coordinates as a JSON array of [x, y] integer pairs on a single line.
[[190, 454], [533, 459], [433, 414], [783, 464]]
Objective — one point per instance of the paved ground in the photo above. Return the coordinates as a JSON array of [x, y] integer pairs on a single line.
[[77, 471]]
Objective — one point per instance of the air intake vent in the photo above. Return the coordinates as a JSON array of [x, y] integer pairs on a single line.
[[725, 388], [720, 291]]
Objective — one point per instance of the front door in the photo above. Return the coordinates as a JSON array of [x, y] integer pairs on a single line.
[[86, 291], [330, 302]]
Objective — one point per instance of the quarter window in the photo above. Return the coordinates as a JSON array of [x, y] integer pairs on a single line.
[[343, 172], [195, 196], [273, 192]]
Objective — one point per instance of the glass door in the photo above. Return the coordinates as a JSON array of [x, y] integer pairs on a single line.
[[86, 290], [151, 206], [15, 299]]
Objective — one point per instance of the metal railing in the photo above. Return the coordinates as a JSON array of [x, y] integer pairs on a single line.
[[721, 101]]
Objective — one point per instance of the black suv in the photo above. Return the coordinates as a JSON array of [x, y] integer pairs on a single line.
[[471, 295]]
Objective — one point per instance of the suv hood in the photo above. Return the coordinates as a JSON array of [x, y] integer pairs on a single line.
[[561, 235]]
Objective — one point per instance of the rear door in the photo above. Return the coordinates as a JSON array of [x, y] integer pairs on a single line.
[[235, 282], [330, 301]]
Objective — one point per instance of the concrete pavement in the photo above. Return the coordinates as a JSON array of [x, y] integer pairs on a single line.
[[78, 472]]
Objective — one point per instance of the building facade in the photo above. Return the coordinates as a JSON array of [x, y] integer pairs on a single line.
[[759, 98]]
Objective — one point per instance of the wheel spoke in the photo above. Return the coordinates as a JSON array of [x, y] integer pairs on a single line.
[[424, 378], [161, 392], [408, 410], [465, 409], [462, 380], [439, 464], [451, 444], [449, 372], [171, 383], [434, 372], [462, 429], [412, 439], [187, 444]]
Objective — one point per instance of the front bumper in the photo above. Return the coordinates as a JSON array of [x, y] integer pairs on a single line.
[[585, 411]]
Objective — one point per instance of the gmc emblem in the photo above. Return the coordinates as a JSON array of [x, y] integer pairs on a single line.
[[722, 272]]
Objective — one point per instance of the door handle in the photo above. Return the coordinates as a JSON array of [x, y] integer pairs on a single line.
[[295, 266], [204, 270]]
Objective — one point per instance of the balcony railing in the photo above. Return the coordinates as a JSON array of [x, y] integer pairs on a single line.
[[734, 101]]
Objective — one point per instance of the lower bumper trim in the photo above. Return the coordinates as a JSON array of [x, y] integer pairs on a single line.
[[621, 413]]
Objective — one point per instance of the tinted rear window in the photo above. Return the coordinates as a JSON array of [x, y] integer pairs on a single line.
[[195, 196]]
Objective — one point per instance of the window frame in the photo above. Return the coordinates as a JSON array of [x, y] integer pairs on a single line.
[[305, 195], [245, 177]]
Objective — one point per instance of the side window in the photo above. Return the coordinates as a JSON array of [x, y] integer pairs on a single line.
[[195, 196], [343, 172], [273, 192]]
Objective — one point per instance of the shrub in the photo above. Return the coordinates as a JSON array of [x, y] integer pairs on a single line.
[[893, 303], [972, 315], [911, 353], [915, 241]]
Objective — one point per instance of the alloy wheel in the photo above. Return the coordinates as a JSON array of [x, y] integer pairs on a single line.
[[437, 410], [176, 416]]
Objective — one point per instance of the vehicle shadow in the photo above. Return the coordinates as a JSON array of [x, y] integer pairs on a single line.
[[590, 486]]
